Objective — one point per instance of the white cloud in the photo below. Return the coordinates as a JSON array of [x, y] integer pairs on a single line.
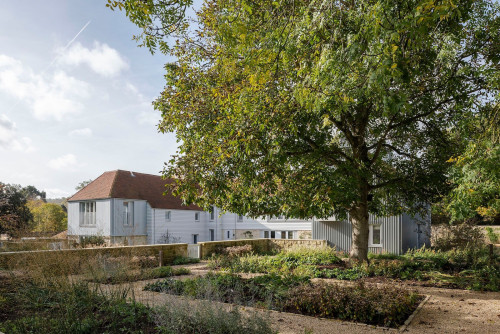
[[9, 140], [85, 132], [52, 97], [67, 162], [102, 59], [56, 193]]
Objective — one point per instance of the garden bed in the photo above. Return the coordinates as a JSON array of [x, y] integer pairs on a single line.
[[387, 306]]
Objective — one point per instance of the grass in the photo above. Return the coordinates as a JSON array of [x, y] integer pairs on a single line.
[[124, 276]]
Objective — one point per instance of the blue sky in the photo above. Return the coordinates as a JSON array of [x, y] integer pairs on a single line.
[[69, 113]]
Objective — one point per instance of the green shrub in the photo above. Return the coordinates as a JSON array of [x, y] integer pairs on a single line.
[[184, 260], [377, 306], [492, 235]]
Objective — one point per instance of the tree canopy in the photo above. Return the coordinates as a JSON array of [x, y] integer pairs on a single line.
[[321, 108], [15, 216]]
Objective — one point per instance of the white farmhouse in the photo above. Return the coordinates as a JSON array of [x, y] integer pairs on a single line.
[[134, 208]]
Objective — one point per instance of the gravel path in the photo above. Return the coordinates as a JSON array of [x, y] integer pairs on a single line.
[[446, 311]]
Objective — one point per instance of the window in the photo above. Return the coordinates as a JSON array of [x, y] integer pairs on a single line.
[[195, 238], [273, 234], [374, 236], [240, 218], [212, 234], [228, 235], [87, 213], [128, 214], [168, 215], [283, 234], [290, 234], [266, 234], [212, 213], [197, 216]]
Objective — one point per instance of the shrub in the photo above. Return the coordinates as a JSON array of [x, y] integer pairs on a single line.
[[492, 235], [236, 251], [184, 260], [460, 236], [92, 241], [377, 306]]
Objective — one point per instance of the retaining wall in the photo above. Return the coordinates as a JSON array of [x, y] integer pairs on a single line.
[[259, 245], [75, 258]]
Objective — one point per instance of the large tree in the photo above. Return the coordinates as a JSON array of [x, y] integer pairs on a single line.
[[319, 108], [15, 216]]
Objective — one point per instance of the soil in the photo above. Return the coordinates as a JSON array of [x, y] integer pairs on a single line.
[[445, 311]]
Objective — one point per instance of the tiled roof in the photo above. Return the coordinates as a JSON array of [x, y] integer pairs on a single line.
[[132, 185]]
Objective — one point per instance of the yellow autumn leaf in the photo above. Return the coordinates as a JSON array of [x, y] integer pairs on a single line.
[[394, 66]]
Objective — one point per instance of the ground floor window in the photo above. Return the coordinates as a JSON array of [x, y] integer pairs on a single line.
[[195, 238], [212, 235], [375, 236]]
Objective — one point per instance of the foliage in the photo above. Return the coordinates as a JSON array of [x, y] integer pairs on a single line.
[[47, 216], [184, 260], [83, 184], [92, 241], [388, 306], [379, 306], [462, 235], [476, 172], [168, 238], [15, 216], [237, 251], [319, 108], [79, 308], [131, 275], [492, 235], [207, 319]]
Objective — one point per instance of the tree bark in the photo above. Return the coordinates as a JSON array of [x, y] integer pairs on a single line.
[[358, 216]]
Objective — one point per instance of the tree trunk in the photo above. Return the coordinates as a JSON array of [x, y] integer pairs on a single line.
[[358, 216]]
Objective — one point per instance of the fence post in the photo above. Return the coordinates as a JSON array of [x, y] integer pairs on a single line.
[[161, 258]]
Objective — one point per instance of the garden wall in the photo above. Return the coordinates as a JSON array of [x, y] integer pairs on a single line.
[[259, 245], [75, 258]]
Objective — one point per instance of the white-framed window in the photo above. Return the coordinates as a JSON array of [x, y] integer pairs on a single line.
[[212, 234], [273, 234], [87, 213], [195, 238], [240, 218], [128, 213], [266, 234], [196, 216], [212, 213], [290, 235], [283, 234], [228, 234], [375, 236], [168, 216]]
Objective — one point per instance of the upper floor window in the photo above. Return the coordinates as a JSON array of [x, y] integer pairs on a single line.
[[240, 218], [212, 213], [128, 214], [168, 215], [197, 216], [87, 213]]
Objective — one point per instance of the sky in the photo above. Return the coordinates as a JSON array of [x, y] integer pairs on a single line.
[[75, 95]]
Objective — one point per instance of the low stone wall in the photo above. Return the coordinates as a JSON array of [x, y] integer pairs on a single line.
[[258, 245], [75, 258]]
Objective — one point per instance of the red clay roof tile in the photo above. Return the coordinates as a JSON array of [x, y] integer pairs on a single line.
[[132, 185]]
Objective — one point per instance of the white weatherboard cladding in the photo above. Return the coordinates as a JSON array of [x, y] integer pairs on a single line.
[[182, 226], [139, 211], [230, 222], [339, 233], [103, 215]]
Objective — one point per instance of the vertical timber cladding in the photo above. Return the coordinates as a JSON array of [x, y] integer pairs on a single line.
[[339, 233]]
